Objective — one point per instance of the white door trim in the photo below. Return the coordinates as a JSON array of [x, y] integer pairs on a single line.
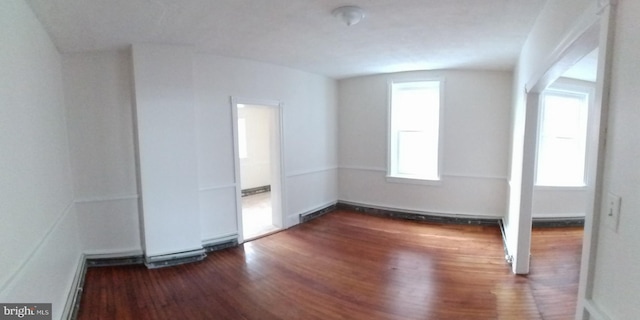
[[278, 185]]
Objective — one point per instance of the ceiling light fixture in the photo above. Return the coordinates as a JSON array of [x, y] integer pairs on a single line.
[[349, 14]]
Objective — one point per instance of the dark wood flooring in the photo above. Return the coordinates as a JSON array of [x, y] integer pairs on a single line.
[[347, 265]]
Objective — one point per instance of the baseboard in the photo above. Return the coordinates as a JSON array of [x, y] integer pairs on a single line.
[[507, 257], [417, 216], [216, 246], [174, 259], [114, 261], [558, 222], [306, 217]]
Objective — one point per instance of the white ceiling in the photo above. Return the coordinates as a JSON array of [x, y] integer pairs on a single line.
[[396, 35]]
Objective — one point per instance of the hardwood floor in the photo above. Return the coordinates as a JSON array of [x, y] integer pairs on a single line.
[[256, 215], [347, 265]]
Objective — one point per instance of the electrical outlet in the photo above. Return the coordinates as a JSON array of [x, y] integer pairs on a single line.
[[612, 213]]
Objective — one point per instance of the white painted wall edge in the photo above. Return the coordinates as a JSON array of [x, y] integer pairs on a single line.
[[107, 254], [258, 163], [42, 241], [220, 239], [363, 168], [109, 198], [291, 221], [310, 171], [217, 187], [430, 213]]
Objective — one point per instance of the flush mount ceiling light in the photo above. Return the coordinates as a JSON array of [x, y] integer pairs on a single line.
[[349, 14]]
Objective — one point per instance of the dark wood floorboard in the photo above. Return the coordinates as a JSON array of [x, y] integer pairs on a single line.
[[347, 265]]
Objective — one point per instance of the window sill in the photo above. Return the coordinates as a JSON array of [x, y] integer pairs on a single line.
[[414, 180], [560, 188]]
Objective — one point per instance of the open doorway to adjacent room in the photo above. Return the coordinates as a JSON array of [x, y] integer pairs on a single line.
[[567, 144], [258, 168]]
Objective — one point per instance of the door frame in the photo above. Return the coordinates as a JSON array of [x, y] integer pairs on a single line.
[[277, 161], [594, 29]]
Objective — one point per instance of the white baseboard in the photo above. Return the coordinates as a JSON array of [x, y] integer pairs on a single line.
[[220, 239]]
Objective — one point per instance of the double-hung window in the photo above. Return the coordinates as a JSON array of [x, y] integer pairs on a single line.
[[414, 130], [562, 137]]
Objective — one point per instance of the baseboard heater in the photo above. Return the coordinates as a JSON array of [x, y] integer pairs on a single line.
[[174, 259], [507, 257], [418, 216], [257, 190], [308, 216]]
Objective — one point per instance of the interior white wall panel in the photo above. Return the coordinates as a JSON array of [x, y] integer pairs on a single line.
[[475, 144], [309, 129], [99, 100], [167, 151], [39, 246], [616, 280]]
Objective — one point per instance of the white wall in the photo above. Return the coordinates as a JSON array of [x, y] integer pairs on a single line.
[[554, 23], [165, 128], [99, 86], [475, 137], [309, 124], [256, 167], [38, 232], [617, 279], [568, 202], [98, 92], [558, 203]]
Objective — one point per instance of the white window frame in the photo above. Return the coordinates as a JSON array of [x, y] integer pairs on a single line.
[[570, 87], [392, 170]]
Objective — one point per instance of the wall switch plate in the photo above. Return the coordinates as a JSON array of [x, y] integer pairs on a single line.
[[612, 211]]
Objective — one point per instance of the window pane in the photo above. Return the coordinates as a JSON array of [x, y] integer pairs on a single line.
[[561, 117], [561, 163], [415, 117], [562, 140], [415, 150]]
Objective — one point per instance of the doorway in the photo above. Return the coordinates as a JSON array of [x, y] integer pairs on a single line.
[[590, 32], [258, 152], [565, 146]]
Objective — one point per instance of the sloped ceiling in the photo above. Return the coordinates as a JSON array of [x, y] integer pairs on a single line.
[[396, 35]]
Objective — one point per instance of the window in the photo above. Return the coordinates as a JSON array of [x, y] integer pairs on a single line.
[[414, 129], [562, 137]]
